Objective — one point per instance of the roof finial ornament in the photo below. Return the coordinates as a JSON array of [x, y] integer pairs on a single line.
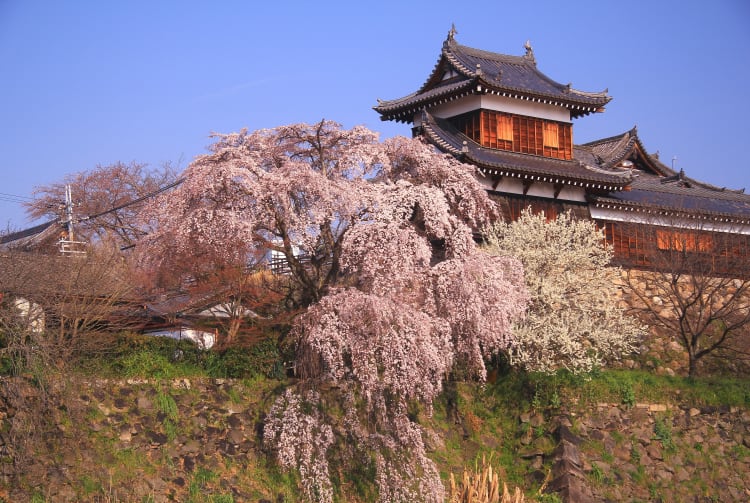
[[452, 32], [529, 52]]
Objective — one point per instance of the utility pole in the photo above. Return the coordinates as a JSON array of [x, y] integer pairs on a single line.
[[69, 246], [69, 212]]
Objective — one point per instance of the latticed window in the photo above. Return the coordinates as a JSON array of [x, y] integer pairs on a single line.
[[551, 135], [517, 133], [505, 127], [516, 206], [684, 241], [629, 242]]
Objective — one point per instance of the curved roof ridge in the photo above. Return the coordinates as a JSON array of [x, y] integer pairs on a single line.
[[625, 174], [658, 166], [427, 126], [612, 150], [633, 131], [436, 66], [505, 58], [707, 186], [592, 94], [459, 65], [386, 103]]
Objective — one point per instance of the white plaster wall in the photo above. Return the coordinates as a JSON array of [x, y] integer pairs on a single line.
[[511, 185], [665, 221], [501, 104]]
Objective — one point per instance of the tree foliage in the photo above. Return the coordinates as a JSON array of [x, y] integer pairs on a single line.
[[690, 296], [575, 320], [54, 308], [295, 190], [104, 193], [378, 238]]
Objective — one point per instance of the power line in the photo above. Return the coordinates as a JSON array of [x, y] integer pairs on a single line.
[[38, 228], [135, 201], [14, 198]]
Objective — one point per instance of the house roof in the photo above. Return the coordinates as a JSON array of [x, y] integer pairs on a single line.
[[31, 237], [679, 195], [612, 151], [526, 166], [463, 70], [658, 189]]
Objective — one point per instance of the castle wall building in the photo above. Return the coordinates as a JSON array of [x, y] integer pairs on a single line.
[[515, 124]]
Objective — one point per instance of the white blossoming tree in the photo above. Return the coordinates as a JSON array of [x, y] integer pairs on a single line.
[[574, 320]]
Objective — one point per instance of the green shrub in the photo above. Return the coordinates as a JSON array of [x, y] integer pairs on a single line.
[[6, 366], [145, 363], [663, 433], [262, 359], [166, 404]]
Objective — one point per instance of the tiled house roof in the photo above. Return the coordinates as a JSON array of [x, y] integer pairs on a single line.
[[33, 236], [679, 196], [658, 189]]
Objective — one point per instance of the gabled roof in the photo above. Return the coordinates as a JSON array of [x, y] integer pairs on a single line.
[[679, 195], [658, 189], [612, 151], [525, 166], [463, 70]]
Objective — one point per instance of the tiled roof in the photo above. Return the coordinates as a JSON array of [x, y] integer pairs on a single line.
[[658, 188], [403, 109], [611, 151], [479, 71], [679, 195], [500, 162], [32, 235]]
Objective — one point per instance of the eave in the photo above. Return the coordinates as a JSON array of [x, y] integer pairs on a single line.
[[696, 215], [497, 163]]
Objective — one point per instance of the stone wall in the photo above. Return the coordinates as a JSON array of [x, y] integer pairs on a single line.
[[134, 440], [665, 452], [661, 351], [140, 440]]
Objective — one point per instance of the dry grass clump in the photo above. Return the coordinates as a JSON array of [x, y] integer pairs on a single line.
[[482, 486]]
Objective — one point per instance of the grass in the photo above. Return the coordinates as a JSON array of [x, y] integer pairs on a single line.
[[597, 475], [137, 356], [624, 387], [200, 478]]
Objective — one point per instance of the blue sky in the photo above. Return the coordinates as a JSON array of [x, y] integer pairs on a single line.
[[91, 82]]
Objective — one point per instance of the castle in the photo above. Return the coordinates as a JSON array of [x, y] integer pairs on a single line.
[[515, 124]]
